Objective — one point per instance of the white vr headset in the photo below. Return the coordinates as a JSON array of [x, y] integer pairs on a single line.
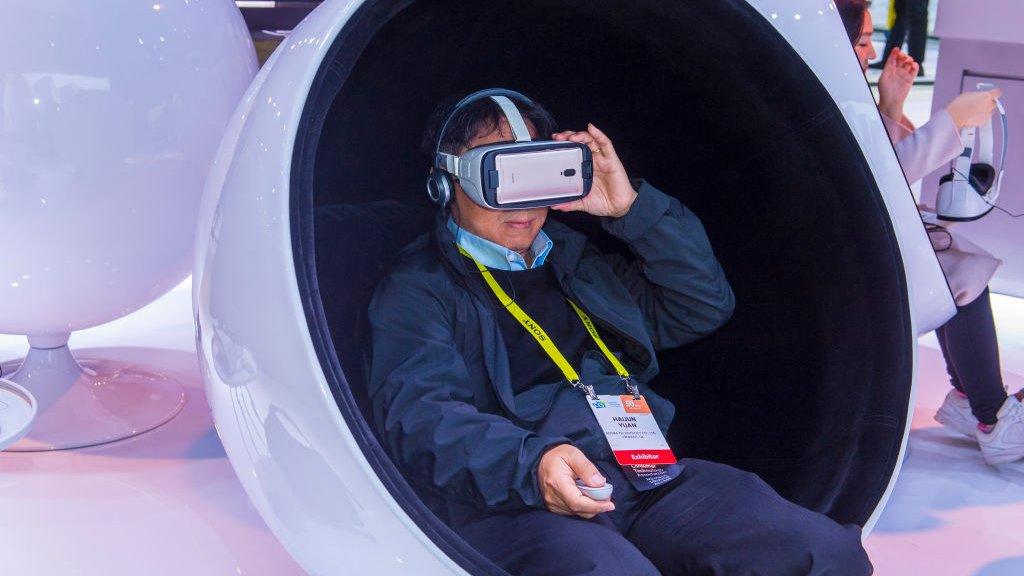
[[970, 191], [511, 175]]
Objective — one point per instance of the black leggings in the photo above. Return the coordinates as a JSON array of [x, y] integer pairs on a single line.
[[969, 344]]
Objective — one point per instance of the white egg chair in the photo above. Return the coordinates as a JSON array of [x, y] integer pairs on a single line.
[[109, 119], [754, 114]]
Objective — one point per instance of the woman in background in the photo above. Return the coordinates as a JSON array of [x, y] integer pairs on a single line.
[[978, 406]]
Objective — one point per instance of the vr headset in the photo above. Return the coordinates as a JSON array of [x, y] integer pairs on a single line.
[[970, 191], [511, 175]]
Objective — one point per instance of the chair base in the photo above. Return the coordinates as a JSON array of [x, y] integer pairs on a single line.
[[90, 401]]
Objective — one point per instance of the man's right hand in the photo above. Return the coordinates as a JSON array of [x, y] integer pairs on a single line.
[[556, 475], [973, 108]]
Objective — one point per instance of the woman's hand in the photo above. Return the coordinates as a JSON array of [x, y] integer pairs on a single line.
[[973, 108], [895, 83], [611, 194], [556, 476]]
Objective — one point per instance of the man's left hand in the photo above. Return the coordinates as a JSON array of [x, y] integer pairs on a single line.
[[611, 194]]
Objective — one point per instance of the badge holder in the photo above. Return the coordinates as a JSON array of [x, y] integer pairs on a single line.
[[626, 421], [17, 412]]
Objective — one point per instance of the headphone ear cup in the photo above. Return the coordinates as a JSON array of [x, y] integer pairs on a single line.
[[439, 188], [982, 177]]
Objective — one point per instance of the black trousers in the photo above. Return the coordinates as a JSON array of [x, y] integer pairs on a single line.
[[712, 519], [911, 25], [968, 342]]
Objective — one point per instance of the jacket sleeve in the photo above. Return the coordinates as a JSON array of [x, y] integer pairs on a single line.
[[675, 279], [898, 129], [422, 402], [923, 150]]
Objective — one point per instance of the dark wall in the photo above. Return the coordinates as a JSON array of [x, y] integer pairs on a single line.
[[808, 385]]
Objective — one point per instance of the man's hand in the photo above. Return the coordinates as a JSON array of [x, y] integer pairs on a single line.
[[611, 194], [895, 83], [973, 108], [556, 475]]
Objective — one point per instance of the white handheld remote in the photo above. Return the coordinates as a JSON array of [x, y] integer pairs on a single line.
[[601, 493]]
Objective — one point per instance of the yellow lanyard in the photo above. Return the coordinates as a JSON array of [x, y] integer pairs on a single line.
[[545, 342]]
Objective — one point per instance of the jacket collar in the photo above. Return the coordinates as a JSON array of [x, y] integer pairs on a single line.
[[565, 259], [495, 255], [564, 256]]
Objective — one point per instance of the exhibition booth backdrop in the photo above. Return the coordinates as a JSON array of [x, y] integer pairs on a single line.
[[987, 45]]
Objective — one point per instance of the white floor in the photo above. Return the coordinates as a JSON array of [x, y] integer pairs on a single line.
[[950, 513], [168, 503], [164, 503]]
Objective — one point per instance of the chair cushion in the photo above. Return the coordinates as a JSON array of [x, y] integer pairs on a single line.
[[355, 246]]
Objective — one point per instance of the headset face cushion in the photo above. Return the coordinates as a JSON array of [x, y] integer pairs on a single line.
[[983, 176]]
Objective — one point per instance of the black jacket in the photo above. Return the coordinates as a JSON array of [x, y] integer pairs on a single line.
[[439, 378]]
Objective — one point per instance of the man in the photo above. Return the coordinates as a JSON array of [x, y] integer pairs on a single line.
[[483, 421]]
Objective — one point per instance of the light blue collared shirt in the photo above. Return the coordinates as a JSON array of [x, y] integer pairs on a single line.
[[497, 256]]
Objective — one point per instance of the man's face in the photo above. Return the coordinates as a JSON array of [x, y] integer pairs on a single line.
[[513, 229], [864, 48]]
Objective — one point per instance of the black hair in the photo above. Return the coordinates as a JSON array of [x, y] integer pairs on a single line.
[[852, 14], [480, 117]]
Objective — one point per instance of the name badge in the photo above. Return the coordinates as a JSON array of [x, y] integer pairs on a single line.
[[631, 430]]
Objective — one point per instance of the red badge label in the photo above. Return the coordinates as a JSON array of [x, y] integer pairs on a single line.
[[631, 431]]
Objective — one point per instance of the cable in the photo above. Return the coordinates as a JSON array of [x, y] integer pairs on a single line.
[[985, 200], [1005, 211]]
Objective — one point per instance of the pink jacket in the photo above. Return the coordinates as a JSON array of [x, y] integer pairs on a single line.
[[922, 150], [967, 267]]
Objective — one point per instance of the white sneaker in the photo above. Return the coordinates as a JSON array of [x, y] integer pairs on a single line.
[[1005, 443], [955, 414]]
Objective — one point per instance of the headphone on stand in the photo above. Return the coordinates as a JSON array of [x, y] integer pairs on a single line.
[[971, 189]]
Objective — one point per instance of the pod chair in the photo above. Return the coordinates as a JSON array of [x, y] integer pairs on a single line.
[[754, 114]]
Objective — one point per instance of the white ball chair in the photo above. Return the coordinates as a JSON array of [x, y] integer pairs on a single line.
[[755, 114], [110, 114]]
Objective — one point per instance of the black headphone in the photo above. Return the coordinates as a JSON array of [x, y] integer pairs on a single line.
[[440, 188], [971, 189], [982, 177]]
